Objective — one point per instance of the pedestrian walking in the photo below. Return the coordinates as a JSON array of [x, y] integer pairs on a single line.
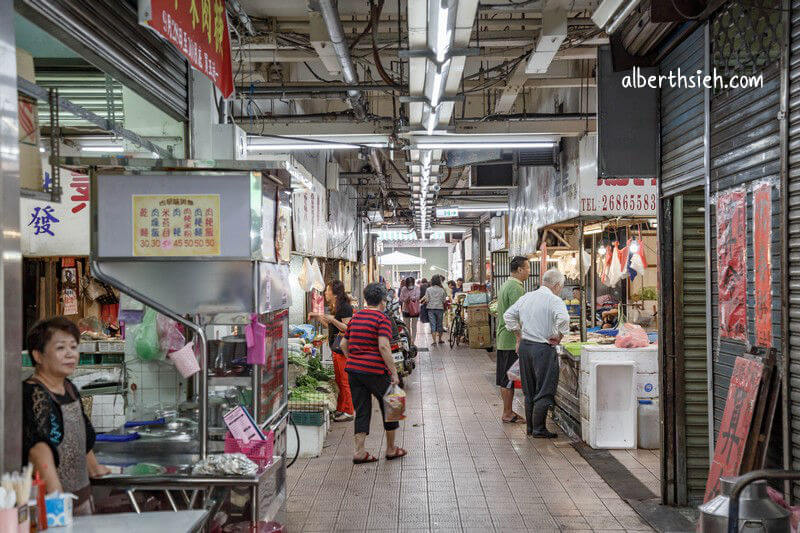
[[423, 309], [434, 299], [409, 300], [371, 370], [511, 291], [539, 319]]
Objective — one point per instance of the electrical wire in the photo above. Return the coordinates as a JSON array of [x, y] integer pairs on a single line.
[[320, 78], [297, 438], [375, 15]]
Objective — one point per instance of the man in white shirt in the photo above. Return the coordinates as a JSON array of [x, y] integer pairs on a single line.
[[539, 320]]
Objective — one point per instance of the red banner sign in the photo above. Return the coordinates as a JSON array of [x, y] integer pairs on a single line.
[[762, 253], [732, 264], [736, 420], [199, 30]]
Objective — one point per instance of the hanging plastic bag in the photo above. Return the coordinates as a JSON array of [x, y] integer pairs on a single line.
[[394, 404], [513, 372], [169, 334], [317, 281], [146, 341], [631, 336], [304, 277]]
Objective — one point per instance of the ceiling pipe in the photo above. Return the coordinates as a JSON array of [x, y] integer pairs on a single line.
[[305, 88], [518, 6], [240, 13], [330, 14]]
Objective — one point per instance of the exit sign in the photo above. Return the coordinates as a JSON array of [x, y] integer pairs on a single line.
[[446, 213]]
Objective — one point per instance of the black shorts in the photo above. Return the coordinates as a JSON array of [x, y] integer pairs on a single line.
[[505, 360], [363, 387]]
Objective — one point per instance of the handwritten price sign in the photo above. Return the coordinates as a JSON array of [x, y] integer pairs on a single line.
[[176, 225]]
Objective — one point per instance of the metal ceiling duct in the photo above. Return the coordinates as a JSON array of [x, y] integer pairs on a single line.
[[330, 14]]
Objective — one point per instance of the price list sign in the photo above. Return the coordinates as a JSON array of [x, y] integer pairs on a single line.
[[176, 225]]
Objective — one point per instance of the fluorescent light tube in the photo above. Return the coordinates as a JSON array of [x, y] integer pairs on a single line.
[[445, 145], [304, 146], [102, 149]]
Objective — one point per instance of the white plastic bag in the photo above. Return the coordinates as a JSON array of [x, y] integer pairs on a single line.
[[513, 372], [304, 278], [317, 281]]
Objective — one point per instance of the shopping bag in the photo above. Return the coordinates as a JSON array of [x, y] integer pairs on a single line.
[[513, 372], [394, 404]]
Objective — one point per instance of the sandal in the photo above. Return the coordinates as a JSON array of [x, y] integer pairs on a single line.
[[369, 458], [516, 419], [398, 453]]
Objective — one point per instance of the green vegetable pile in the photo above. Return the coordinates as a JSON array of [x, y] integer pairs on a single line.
[[307, 380], [298, 360], [304, 394], [319, 372]]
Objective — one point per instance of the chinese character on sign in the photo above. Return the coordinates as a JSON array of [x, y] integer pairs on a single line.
[[41, 218], [219, 25], [81, 186], [193, 12]]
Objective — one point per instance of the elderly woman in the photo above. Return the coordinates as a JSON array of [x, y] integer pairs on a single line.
[[57, 436]]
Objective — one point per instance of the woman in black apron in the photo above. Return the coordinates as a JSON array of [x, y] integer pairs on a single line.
[[57, 436]]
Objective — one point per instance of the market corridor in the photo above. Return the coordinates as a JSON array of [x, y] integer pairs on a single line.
[[465, 470]]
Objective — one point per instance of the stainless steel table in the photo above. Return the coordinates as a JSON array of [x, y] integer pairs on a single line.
[[158, 522]]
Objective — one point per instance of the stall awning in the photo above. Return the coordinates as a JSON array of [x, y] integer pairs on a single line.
[[399, 258]]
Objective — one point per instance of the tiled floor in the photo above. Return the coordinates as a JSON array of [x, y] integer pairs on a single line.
[[465, 470], [644, 464]]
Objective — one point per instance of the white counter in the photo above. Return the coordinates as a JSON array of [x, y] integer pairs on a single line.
[[156, 522]]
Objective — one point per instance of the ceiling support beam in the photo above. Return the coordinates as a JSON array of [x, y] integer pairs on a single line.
[[553, 33]]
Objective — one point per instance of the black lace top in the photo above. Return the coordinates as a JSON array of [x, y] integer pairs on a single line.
[[42, 420]]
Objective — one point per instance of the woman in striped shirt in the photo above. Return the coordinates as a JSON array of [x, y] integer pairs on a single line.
[[370, 369]]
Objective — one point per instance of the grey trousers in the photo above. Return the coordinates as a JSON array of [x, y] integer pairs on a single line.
[[538, 366]]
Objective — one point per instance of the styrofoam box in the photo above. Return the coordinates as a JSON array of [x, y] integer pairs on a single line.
[[87, 347], [613, 405], [647, 385], [646, 359]]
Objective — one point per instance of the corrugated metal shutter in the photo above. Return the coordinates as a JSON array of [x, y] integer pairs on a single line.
[[682, 121], [538, 157], [501, 272], [794, 234], [745, 147], [107, 34], [690, 315]]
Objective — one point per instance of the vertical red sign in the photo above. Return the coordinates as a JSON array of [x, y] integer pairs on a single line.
[[736, 420], [762, 253], [732, 263], [199, 30]]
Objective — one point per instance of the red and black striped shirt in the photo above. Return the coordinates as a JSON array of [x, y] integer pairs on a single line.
[[362, 341]]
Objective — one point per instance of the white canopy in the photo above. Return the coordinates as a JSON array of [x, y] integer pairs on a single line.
[[399, 258]]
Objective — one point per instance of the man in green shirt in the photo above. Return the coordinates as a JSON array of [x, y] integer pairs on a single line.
[[511, 291]]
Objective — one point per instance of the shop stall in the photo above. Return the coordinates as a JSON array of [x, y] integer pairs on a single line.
[[169, 240], [600, 233]]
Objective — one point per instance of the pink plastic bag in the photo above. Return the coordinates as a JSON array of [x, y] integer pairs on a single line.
[[631, 336], [169, 335]]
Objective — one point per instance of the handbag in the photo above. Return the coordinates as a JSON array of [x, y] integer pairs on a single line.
[[411, 308], [336, 345]]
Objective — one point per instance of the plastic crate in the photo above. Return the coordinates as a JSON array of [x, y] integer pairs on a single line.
[[87, 347], [110, 359], [87, 359], [110, 347], [308, 418], [258, 451], [27, 360]]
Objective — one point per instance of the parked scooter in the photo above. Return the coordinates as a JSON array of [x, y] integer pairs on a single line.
[[403, 348]]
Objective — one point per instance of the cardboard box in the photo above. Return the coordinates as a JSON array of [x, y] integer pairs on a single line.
[[30, 160], [477, 315], [479, 336]]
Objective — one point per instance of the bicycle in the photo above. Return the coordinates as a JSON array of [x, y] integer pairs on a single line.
[[458, 329]]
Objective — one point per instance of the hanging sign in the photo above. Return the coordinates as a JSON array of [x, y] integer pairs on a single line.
[[199, 30], [56, 229], [762, 253], [736, 420], [732, 264], [176, 225]]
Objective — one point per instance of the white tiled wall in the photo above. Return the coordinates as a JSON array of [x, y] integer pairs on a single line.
[[157, 382], [108, 412]]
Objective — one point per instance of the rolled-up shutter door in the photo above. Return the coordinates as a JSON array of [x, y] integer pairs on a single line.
[[745, 147], [107, 34], [794, 236], [682, 120]]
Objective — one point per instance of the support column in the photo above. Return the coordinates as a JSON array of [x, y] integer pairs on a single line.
[[10, 255]]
